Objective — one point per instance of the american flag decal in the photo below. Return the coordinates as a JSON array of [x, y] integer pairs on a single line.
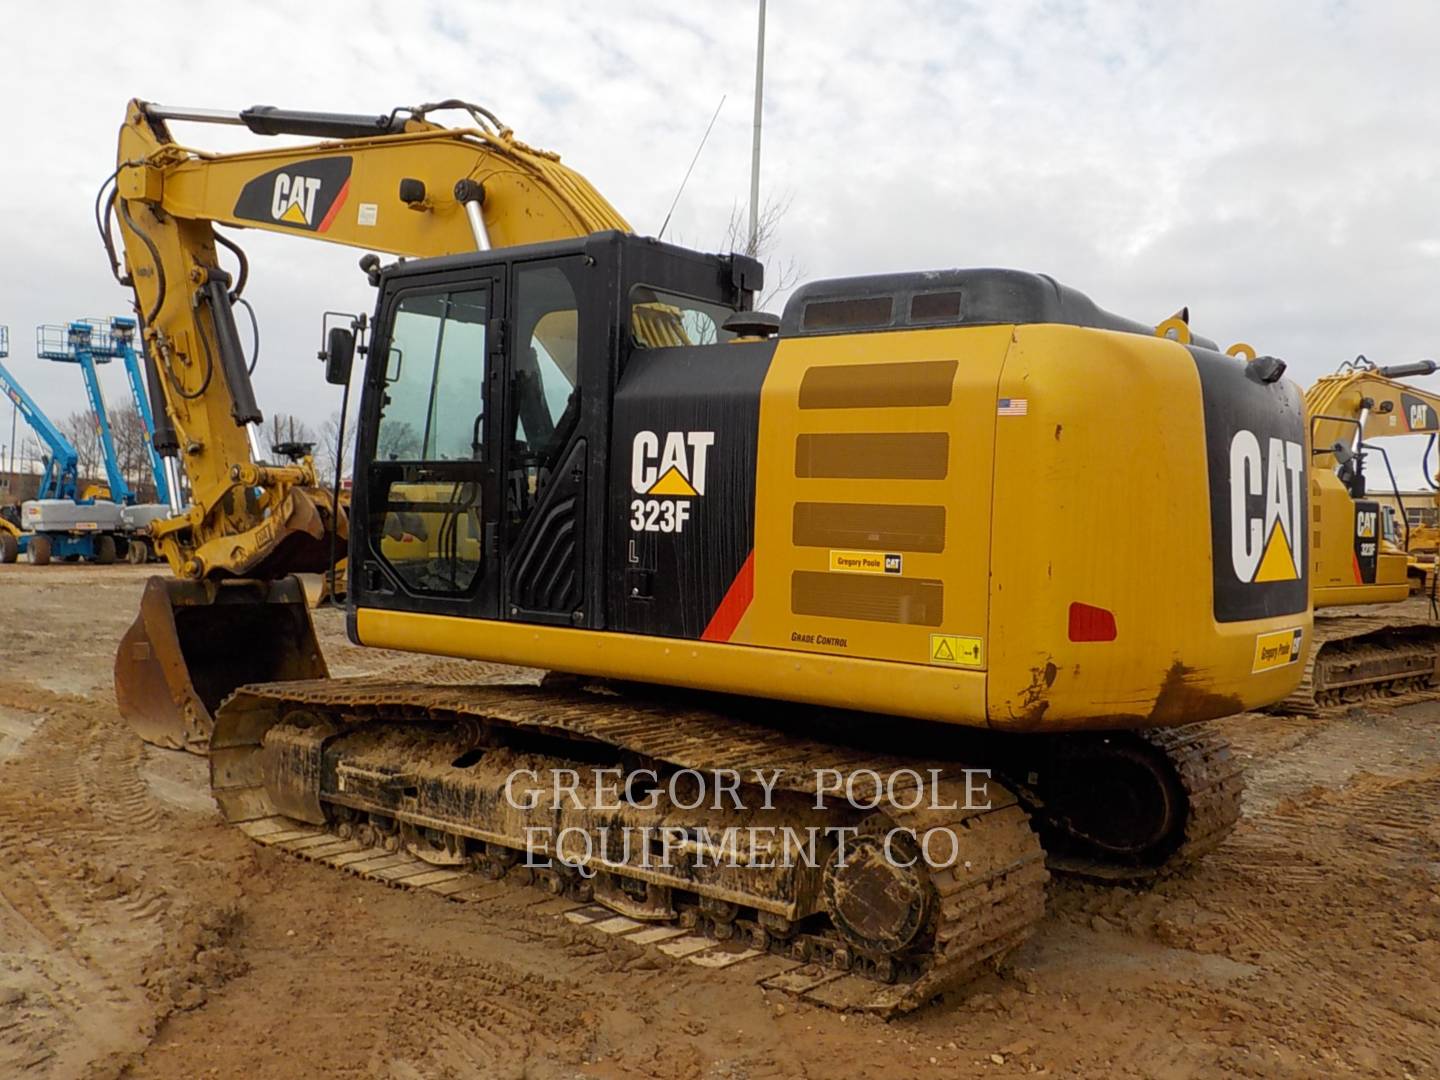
[[1012, 406]]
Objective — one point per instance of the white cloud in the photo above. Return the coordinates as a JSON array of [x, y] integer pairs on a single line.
[[1272, 165]]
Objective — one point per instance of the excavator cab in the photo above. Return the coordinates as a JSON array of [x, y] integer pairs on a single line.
[[482, 477]]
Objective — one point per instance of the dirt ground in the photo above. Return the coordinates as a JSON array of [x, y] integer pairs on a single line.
[[141, 938]]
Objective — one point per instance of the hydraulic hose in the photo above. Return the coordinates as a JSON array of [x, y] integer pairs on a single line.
[[161, 286]]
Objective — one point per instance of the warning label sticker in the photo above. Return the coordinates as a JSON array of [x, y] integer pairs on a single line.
[[957, 650], [1277, 649], [866, 562]]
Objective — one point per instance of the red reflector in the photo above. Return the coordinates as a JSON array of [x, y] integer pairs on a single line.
[[1089, 623]]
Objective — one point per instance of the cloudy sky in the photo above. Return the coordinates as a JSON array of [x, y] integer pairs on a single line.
[[1275, 165]]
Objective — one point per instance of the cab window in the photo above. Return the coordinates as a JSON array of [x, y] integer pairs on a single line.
[[659, 319], [426, 484]]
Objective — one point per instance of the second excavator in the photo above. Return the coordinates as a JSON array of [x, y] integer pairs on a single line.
[[1358, 655], [809, 553]]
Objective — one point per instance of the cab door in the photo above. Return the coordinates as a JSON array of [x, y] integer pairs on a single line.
[[429, 495], [550, 488]]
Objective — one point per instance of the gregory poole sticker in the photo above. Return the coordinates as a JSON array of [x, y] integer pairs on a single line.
[[1277, 649]]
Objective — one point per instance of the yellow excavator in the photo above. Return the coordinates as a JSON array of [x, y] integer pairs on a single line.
[[1360, 554], [1423, 548], [811, 553], [9, 540]]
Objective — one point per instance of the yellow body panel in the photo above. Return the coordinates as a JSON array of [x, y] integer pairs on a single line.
[[1115, 443], [934, 693], [918, 544], [958, 435], [1334, 574]]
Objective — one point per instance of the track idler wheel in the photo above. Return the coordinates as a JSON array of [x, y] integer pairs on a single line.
[[1116, 799]]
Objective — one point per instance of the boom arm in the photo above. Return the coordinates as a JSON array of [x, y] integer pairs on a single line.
[[1370, 401], [399, 184]]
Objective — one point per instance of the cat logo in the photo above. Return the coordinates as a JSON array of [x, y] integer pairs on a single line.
[[294, 198], [1419, 414], [1366, 523], [1259, 492], [307, 195], [669, 471], [673, 466], [1267, 526]]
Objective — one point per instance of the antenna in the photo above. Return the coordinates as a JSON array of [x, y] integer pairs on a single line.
[[675, 202], [755, 145]]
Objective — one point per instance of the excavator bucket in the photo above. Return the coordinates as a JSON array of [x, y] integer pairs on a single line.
[[194, 643]]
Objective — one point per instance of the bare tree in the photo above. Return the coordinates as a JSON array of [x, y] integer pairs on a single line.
[[80, 428], [397, 440], [132, 448], [781, 273], [287, 428], [330, 445], [28, 460]]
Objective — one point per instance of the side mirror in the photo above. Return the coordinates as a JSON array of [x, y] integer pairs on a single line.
[[339, 355]]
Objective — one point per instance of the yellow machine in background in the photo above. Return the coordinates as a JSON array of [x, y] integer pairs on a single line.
[[9, 540], [1423, 549], [791, 544], [1358, 557]]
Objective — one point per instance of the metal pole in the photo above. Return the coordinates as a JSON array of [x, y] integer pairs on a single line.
[[13, 410], [755, 150]]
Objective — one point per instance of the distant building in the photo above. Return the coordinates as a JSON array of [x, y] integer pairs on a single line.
[[18, 486], [1420, 507]]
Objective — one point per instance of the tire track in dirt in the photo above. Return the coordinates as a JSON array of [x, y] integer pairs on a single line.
[[488, 1029], [82, 755], [85, 932], [1282, 958], [1329, 890]]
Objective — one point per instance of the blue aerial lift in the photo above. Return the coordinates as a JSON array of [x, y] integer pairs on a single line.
[[58, 524], [62, 462], [89, 343], [122, 330], [9, 513]]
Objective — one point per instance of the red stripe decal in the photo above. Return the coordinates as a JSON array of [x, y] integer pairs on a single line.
[[1355, 565], [335, 206], [737, 601]]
